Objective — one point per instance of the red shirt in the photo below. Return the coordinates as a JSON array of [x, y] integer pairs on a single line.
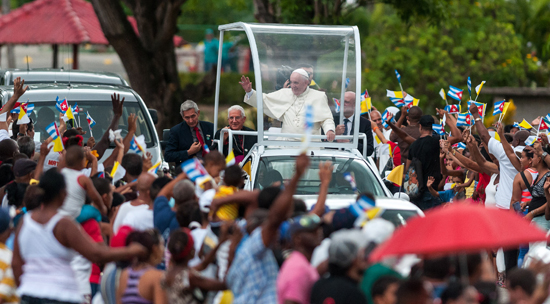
[[93, 229]]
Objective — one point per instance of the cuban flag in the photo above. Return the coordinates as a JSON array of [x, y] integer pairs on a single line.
[[28, 108], [438, 129], [516, 125], [62, 106], [461, 145], [470, 86], [90, 120], [480, 107], [548, 117], [194, 169], [206, 149], [464, 120], [498, 107], [398, 76], [53, 131], [337, 105], [452, 109], [455, 93], [138, 144], [365, 95], [398, 102], [101, 174], [347, 82], [351, 180], [385, 118], [544, 124]]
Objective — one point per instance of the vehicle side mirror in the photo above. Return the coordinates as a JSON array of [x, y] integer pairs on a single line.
[[164, 141], [154, 116]]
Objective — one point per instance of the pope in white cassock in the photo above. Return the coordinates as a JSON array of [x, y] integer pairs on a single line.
[[288, 105]]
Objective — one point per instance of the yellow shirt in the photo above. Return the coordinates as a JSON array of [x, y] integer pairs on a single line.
[[7, 282], [227, 211]]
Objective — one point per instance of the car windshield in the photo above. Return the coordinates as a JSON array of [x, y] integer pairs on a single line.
[[398, 217], [102, 113], [275, 169]]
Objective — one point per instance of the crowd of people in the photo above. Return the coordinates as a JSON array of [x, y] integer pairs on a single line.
[[74, 233]]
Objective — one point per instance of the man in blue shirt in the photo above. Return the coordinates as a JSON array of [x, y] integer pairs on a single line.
[[211, 46]]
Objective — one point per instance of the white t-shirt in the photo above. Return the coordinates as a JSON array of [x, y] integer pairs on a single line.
[[123, 211], [4, 134], [139, 219], [52, 159], [507, 173]]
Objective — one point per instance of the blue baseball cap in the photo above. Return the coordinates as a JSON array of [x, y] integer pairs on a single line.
[[306, 222]]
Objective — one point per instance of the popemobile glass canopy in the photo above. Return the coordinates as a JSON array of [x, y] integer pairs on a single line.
[[330, 54]]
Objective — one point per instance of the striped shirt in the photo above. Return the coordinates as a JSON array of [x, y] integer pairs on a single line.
[[7, 282]]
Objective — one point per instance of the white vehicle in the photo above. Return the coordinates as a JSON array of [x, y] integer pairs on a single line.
[[330, 52]]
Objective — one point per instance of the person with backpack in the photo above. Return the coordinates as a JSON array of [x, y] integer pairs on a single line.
[[422, 162]]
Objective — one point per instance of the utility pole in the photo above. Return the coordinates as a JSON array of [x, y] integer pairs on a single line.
[[6, 7]]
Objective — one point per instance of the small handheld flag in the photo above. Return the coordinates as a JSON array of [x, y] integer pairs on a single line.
[[337, 105], [504, 110], [398, 102], [394, 94], [442, 94], [530, 140], [398, 76], [453, 109], [396, 175], [62, 106], [478, 88], [464, 120], [455, 93], [498, 107], [411, 101], [23, 117], [544, 124], [438, 129], [351, 180], [366, 105], [480, 107], [363, 204], [118, 172], [308, 126], [138, 144], [230, 159], [90, 120], [53, 131], [194, 169], [470, 87], [154, 169], [524, 124], [347, 82]]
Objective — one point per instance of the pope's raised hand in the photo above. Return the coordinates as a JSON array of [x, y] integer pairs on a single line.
[[246, 84]]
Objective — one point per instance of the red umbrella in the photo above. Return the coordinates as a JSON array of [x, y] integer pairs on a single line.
[[459, 228]]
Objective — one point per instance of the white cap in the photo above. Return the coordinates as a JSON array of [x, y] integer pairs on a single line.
[[301, 72], [206, 200], [392, 110], [378, 230]]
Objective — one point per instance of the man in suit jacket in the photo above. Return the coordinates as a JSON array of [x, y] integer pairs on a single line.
[[349, 123], [188, 139], [241, 143]]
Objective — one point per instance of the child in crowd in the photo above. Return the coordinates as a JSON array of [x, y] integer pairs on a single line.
[[233, 180], [7, 283], [447, 196]]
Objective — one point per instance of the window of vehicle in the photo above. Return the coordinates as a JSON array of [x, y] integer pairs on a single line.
[[398, 217], [102, 113], [277, 169]]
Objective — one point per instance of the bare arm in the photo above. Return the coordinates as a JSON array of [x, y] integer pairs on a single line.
[[325, 175], [378, 132], [19, 89], [167, 190], [517, 188], [92, 193], [44, 151], [282, 204], [243, 198], [104, 142], [489, 167], [399, 132], [132, 127], [429, 184], [402, 118], [480, 127], [508, 148], [456, 135]]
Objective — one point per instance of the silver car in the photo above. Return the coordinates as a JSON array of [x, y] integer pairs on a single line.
[[96, 100], [61, 76]]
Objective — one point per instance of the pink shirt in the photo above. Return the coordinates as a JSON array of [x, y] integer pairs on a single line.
[[296, 278]]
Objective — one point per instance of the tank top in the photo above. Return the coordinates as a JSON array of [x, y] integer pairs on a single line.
[[525, 194], [131, 294], [47, 271], [76, 194], [490, 192]]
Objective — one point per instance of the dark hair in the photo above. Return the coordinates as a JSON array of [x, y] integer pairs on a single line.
[[196, 215], [133, 164], [26, 145], [267, 196], [6, 174], [380, 286], [415, 113], [398, 116], [148, 239], [437, 268], [305, 65], [529, 154], [15, 193], [509, 137], [300, 207], [176, 244], [157, 185], [7, 148], [453, 291], [233, 176], [118, 199], [522, 278], [337, 270], [33, 197], [508, 128], [74, 156], [184, 211], [15, 128], [409, 291], [71, 133], [102, 185], [214, 158], [52, 183]]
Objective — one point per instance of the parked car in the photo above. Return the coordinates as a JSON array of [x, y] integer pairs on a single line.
[[59, 76], [95, 99]]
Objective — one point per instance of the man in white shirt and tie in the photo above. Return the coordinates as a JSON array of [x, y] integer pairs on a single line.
[[289, 104]]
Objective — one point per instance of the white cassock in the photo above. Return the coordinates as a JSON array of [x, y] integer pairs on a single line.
[[284, 105]]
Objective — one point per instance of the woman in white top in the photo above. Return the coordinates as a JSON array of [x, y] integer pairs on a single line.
[[45, 243]]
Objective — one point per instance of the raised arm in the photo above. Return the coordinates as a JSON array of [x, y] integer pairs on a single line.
[[402, 118], [480, 127], [456, 135], [282, 204], [325, 175], [132, 128], [508, 148], [487, 167], [378, 132], [19, 89], [104, 142], [399, 132]]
